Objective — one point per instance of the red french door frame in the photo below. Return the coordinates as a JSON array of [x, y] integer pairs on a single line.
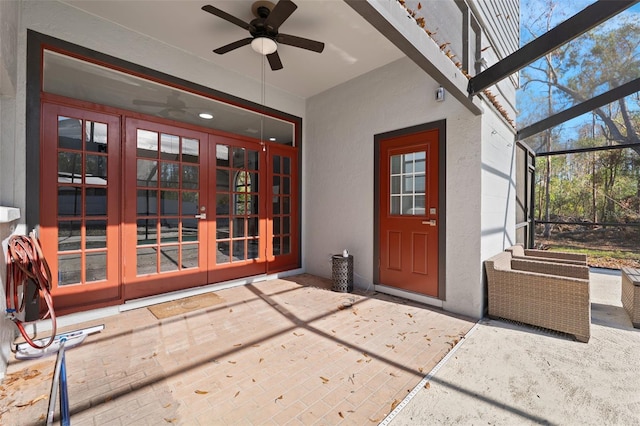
[[440, 127], [64, 198]]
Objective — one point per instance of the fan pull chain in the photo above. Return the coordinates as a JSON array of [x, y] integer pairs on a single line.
[[262, 102]]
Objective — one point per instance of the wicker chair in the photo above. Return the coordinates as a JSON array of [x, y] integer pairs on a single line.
[[544, 294], [518, 251]]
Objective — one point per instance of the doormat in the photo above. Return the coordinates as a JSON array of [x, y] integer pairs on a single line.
[[182, 306]]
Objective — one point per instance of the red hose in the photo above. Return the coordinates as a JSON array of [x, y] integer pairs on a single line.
[[25, 261]]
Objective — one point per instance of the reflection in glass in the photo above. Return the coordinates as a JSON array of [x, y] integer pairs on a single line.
[[286, 165], [190, 229], [189, 256], [276, 163], [147, 202], [147, 144], [286, 225], [169, 230], [169, 202], [286, 247], [96, 170], [169, 175], [222, 155], [190, 203], [252, 227], [147, 173], [252, 249], [96, 199], [69, 201], [395, 205], [69, 167], [252, 160], [222, 252], [169, 258], [276, 226], [96, 266], [286, 185], [190, 177], [238, 157], [238, 251], [190, 150], [169, 147], [96, 136], [96, 234], [222, 228], [147, 231], [146, 260], [276, 245], [222, 180], [286, 205], [69, 271], [69, 133], [69, 235], [222, 204], [238, 227]]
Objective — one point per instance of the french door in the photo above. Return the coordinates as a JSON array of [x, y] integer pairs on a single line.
[[80, 206], [132, 208]]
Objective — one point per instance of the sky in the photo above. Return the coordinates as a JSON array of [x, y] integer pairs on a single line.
[[533, 16]]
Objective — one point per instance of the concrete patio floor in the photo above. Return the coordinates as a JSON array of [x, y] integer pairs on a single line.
[[286, 351]]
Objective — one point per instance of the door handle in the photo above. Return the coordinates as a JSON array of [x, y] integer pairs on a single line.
[[431, 222], [201, 216]]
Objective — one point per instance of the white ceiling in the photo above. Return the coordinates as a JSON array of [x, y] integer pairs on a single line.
[[352, 46]]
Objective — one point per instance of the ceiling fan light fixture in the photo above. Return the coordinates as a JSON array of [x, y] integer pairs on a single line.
[[205, 115], [264, 45]]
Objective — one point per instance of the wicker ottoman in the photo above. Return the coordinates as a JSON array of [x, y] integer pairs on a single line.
[[631, 294]]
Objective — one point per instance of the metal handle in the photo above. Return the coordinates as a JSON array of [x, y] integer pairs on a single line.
[[201, 216], [431, 222]]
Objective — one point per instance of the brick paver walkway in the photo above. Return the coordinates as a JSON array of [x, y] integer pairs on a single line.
[[285, 351]]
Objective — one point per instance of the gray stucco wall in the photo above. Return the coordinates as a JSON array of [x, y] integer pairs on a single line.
[[339, 200]]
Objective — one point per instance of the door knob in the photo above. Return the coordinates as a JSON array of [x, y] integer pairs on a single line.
[[431, 222]]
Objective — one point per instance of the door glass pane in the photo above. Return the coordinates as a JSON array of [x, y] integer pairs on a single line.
[[96, 199], [238, 158], [96, 134], [222, 228], [407, 184], [69, 201], [69, 271], [69, 133], [252, 160], [222, 204], [276, 163], [190, 256], [96, 170], [286, 166], [276, 226], [169, 230], [190, 177], [147, 202], [276, 245], [222, 155], [96, 266], [96, 231], [190, 229], [238, 250], [169, 202], [222, 180], [190, 203], [286, 247], [190, 150], [222, 252], [286, 207], [286, 225], [146, 260], [147, 231], [169, 175], [252, 249], [69, 235], [252, 227], [147, 173], [395, 205], [169, 258], [69, 167], [238, 228], [169, 147], [147, 144], [286, 186]]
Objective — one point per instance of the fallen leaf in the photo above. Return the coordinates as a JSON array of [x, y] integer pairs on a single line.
[[253, 380], [280, 397], [340, 414], [410, 315], [201, 392], [393, 374], [296, 334], [237, 393], [230, 310], [260, 360], [231, 362], [391, 346], [166, 405], [324, 379], [237, 344], [283, 347], [172, 420], [360, 360], [421, 369], [394, 404], [229, 375], [33, 401], [365, 354], [427, 385]]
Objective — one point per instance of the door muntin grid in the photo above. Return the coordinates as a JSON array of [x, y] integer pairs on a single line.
[[407, 184], [237, 204], [82, 199], [167, 202]]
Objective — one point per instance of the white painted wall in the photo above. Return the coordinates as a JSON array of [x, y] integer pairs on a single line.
[[338, 174]]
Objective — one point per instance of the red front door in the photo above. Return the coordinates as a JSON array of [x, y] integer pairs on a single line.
[[409, 212]]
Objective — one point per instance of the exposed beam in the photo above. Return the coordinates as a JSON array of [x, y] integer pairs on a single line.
[[398, 27], [580, 23], [582, 108]]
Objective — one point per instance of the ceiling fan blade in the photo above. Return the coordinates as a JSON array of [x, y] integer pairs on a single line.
[[148, 103], [279, 14], [232, 46], [303, 43], [274, 61], [230, 18]]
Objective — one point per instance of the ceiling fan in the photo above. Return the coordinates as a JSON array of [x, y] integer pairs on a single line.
[[264, 30]]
